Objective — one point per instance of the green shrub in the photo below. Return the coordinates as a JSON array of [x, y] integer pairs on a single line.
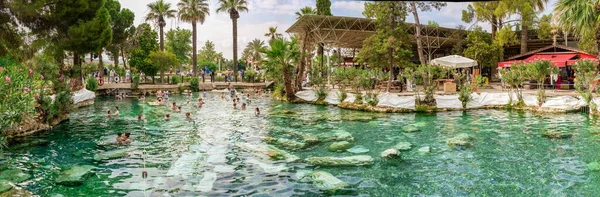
[[359, 99], [175, 79], [279, 91], [321, 93], [195, 84], [91, 84], [181, 88], [342, 95], [136, 82], [464, 95], [372, 99], [63, 103], [45, 108], [250, 76]]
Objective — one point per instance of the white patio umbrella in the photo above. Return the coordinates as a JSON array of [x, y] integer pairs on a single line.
[[454, 61]]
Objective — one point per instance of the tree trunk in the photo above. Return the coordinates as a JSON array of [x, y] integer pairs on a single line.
[[235, 57], [289, 90], [194, 52], [123, 58], [116, 58], [100, 58], [162, 74], [523, 39], [302, 64], [413, 8], [162, 39], [494, 26], [321, 52]]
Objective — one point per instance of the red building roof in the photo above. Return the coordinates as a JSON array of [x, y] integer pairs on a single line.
[[559, 55]]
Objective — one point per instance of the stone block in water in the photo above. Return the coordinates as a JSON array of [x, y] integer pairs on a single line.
[[556, 134], [5, 186], [460, 140], [14, 175], [359, 160], [403, 146], [113, 154], [410, 128], [339, 146], [336, 136], [594, 166], [326, 182], [358, 149], [390, 153], [424, 150], [286, 143], [75, 175]]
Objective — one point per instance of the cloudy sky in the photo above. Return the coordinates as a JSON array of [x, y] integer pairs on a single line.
[[280, 13]]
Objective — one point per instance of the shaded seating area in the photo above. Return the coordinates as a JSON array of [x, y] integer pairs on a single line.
[[561, 56]]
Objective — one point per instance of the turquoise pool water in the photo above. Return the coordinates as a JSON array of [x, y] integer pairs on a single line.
[[202, 156]]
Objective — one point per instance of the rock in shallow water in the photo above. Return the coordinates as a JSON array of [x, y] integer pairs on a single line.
[[359, 160], [594, 166], [14, 175], [286, 143], [75, 175], [410, 128], [336, 136], [358, 149], [403, 146], [460, 140], [556, 134], [326, 182], [390, 153], [424, 150], [114, 154], [339, 146]]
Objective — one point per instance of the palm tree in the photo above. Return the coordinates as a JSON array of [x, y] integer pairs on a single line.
[[272, 33], [193, 11], [306, 11], [159, 11], [233, 8], [283, 55], [254, 48], [305, 47], [578, 16]]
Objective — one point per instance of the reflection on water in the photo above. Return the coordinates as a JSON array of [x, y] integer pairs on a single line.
[[209, 155]]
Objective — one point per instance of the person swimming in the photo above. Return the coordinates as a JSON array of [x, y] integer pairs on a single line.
[[126, 139], [257, 112], [174, 106], [159, 100], [141, 98], [116, 111], [222, 95], [140, 117], [166, 96], [187, 101], [243, 106], [200, 102], [187, 115], [167, 117], [234, 105], [203, 94], [109, 114], [119, 138], [178, 109]]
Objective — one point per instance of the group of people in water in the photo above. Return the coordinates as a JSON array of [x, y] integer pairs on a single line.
[[242, 100]]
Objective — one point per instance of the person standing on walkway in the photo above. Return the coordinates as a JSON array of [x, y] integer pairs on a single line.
[[212, 76], [111, 75]]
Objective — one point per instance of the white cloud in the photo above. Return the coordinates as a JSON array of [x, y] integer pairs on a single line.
[[349, 5]]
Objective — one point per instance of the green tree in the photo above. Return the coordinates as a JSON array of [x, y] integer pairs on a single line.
[[580, 17], [415, 7], [233, 8], [485, 12], [544, 27], [272, 33], [121, 22], [158, 12], [585, 71], [389, 46], [506, 37], [193, 11], [89, 36], [307, 10], [527, 10], [480, 47], [178, 43], [323, 8], [280, 60], [146, 43], [433, 24], [538, 71], [163, 61], [208, 53], [254, 49]]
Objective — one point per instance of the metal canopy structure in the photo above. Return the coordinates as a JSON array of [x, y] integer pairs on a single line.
[[350, 32]]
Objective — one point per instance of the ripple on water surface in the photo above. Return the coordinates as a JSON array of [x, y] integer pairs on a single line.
[[208, 154]]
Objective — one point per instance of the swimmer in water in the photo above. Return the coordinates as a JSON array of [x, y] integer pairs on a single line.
[[116, 111], [243, 106], [126, 139], [119, 138], [187, 115], [257, 112], [187, 102], [109, 114], [167, 117], [174, 106], [222, 95], [234, 105], [140, 117], [178, 109]]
